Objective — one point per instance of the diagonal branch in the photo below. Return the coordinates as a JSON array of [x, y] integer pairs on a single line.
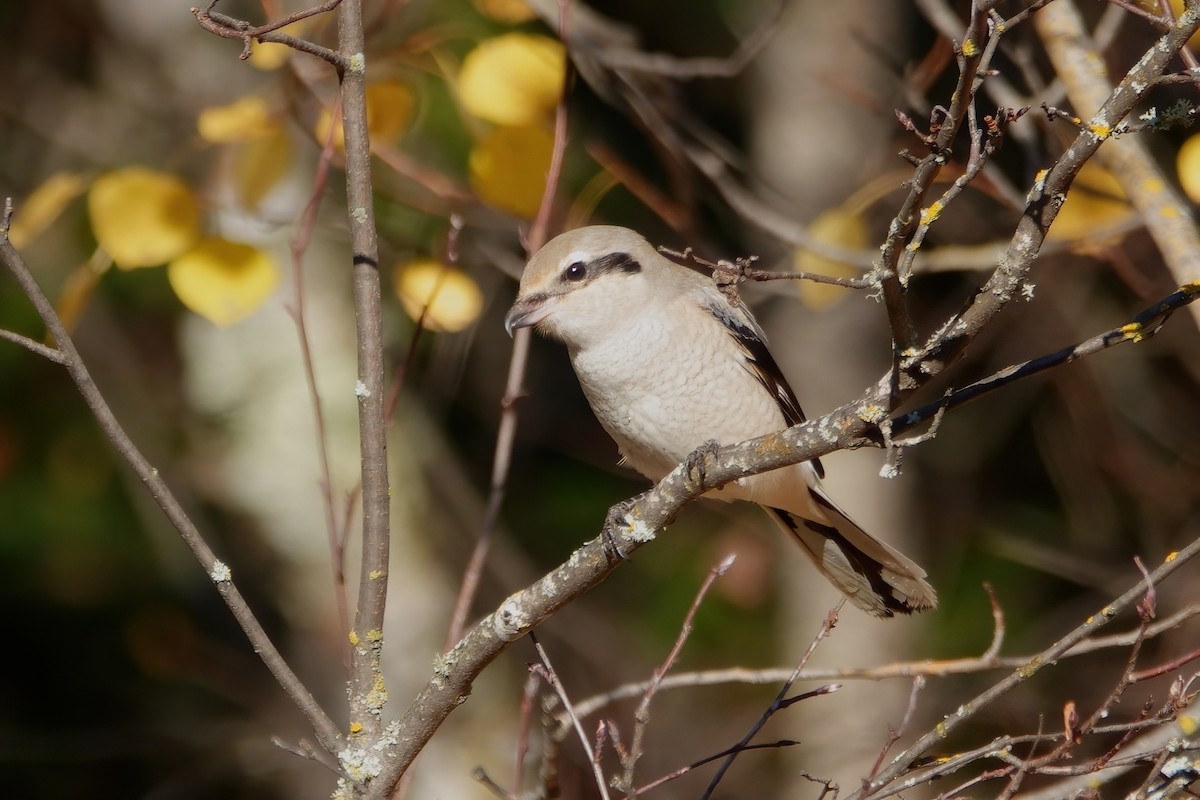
[[1141, 328], [327, 733]]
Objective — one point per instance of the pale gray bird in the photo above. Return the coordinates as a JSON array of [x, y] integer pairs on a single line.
[[668, 364]]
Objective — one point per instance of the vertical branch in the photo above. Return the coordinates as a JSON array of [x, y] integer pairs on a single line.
[[367, 694], [905, 223]]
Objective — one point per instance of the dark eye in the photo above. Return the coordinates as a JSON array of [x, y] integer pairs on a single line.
[[575, 272]]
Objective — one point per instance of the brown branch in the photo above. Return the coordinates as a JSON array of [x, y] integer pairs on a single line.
[[230, 28], [507, 433], [37, 348], [299, 246], [324, 728], [781, 699], [367, 692], [641, 715], [907, 219], [551, 677]]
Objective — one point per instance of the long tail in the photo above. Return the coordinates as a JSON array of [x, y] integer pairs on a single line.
[[873, 576]]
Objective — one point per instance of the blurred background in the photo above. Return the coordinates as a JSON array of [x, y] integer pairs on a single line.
[[159, 181]]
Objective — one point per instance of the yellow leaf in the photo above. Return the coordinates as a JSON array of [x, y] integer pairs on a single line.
[[453, 301], [244, 119], [514, 79], [1094, 202], [143, 217], [508, 168], [1188, 166], [260, 165], [43, 206], [511, 12], [389, 110], [839, 227], [223, 281]]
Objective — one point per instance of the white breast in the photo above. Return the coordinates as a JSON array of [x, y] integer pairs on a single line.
[[667, 382]]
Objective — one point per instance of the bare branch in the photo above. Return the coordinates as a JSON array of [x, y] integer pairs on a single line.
[[367, 692], [37, 348]]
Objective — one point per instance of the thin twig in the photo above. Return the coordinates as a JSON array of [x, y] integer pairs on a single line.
[[513, 388], [641, 715], [35, 347], [527, 698], [1139, 329], [780, 700], [883, 786], [551, 677], [299, 246], [894, 734], [230, 28]]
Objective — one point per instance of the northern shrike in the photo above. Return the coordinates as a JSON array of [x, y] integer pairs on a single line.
[[668, 364]]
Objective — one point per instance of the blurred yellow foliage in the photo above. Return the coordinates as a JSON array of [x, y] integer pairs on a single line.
[[1094, 202], [389, 110], [223, 281], [43, 206], [1188, 166], [142, 217], [245, 119], [259, 165], [514, 79], [452, 299], [508, 168], [512, 12], [839, 227]]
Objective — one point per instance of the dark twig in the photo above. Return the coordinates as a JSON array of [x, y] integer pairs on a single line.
[[1142, 327], [551, 677], [781, 700], [736, 749], [527, 704], [641, 715]]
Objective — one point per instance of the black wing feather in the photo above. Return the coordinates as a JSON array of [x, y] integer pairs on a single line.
[[762, 366]]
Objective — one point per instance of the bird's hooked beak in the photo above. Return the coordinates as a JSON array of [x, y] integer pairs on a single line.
[[527, 311]]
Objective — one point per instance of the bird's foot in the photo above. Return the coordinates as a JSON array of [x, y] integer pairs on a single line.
[[698, 460], [622, 517]]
